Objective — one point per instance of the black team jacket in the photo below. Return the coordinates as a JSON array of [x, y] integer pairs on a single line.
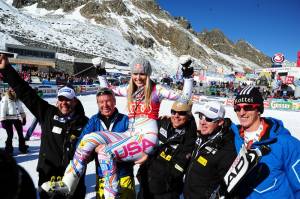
[[211, 159], [164, 170], [59, 133]]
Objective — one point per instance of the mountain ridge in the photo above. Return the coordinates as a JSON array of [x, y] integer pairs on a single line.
[[122, 29]]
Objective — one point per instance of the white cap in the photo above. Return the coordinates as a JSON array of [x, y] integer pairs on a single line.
[[66, 92], [213, 110]]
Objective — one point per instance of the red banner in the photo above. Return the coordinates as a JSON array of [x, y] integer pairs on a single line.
[[289, 79], [298, 59]]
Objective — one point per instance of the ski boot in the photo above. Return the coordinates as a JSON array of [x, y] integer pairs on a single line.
[[65, 186]]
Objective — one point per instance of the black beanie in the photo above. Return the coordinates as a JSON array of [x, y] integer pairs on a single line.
[[250, 95]]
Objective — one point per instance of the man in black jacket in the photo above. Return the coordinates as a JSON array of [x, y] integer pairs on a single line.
[[213, 154], [161, 176], [60, 124]]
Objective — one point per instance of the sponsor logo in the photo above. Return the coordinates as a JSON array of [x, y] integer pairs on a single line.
[[278, 58]]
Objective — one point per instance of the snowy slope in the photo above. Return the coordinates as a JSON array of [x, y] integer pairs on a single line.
[[29, 161], [73, 31]]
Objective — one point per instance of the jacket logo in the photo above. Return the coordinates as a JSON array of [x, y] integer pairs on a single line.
[[211, 150], [163, 132], [202, 160], [198, 141]]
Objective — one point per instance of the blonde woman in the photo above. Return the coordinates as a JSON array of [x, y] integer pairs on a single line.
[[143, 99]]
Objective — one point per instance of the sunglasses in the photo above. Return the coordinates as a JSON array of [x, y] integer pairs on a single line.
[[207, 119], [139, 74], [181, 113], [245, 107], [104, 91], [62, 98]]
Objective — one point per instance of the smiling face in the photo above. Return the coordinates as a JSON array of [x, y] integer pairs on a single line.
[[65, 105], [178, 119], [139, 79], [249, 120], [106, 104], [207, 128]]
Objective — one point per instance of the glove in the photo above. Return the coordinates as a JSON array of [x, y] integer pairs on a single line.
[[24, 121], [187, 71], [99, 63], [3, 123], [186, 61], [100, 71]]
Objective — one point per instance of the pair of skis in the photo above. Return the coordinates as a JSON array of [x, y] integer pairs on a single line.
[[243, 164]]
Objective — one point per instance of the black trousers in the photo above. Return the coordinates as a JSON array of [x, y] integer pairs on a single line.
[[8, 126], [169, 195]]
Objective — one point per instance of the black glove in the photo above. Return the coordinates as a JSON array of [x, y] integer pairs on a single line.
[[3, 123], [24, 121], [187, 71], [100, 70], [99, 63]]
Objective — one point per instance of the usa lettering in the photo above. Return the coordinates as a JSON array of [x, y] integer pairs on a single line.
[[133, 148]]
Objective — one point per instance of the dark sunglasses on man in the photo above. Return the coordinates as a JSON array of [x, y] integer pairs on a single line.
[[245, 107], [181, 113], [62, 98], [207, 119]]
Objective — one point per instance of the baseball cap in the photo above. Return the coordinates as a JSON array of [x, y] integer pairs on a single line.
[[181, 106], [213, 110], [141, 65], [66, 92]]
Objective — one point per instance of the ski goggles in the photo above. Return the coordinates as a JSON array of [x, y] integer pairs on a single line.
[[181, 113], [207, 119], [105, 91], [245, 107]]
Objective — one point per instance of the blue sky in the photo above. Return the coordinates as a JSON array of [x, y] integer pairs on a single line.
[[271, 26]]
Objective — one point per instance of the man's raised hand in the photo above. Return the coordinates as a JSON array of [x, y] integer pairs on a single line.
[[99, 64], [3, 61]]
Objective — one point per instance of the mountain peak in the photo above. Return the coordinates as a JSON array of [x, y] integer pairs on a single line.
[[123, 29]]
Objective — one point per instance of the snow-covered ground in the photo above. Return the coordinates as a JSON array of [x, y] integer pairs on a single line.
[[29, 161]]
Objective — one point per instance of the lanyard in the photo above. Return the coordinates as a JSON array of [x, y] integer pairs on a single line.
[[201, 145], [259, 134]]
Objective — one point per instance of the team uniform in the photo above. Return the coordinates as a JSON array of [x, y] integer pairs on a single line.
[[211, 158], [161, 176], [59, 135]]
